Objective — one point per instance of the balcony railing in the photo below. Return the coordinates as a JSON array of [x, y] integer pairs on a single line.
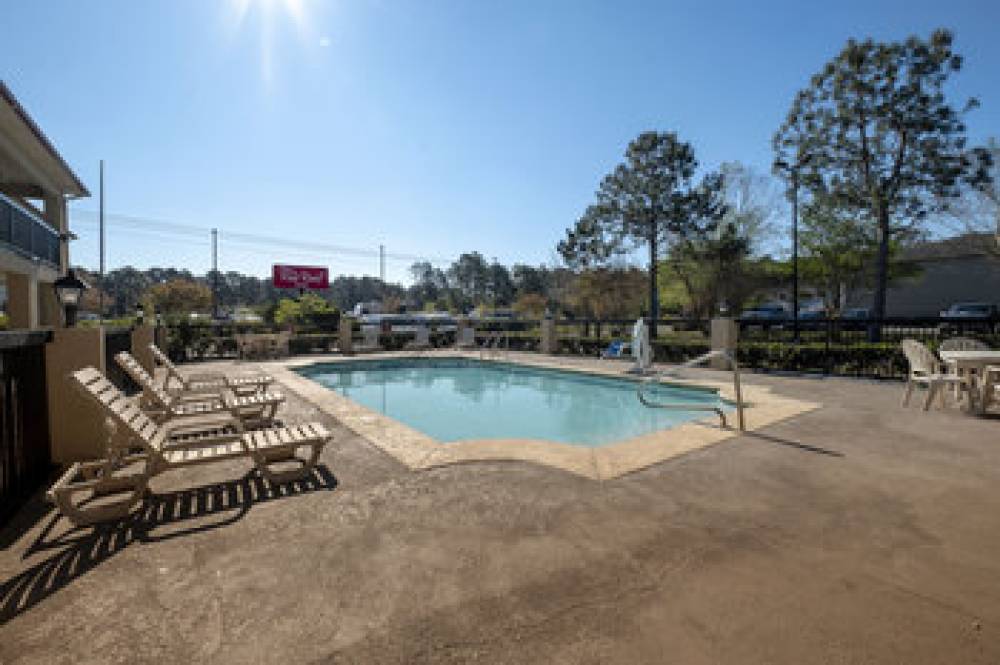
[[27, 234]]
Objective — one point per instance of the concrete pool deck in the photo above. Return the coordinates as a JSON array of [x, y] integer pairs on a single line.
[[857, 532], [418, 451]]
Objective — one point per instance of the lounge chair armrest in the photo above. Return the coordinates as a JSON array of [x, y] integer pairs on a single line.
[[204, 377], [199, 396], [181, 425]]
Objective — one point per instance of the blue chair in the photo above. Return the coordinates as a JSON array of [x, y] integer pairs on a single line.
[[616, 349]]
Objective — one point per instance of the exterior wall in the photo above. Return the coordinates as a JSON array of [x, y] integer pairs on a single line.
[[941, 283], [22, 301], [76, 428], [142, 337]]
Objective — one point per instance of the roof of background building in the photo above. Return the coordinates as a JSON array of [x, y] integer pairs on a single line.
[[961, 246], [7, 96]]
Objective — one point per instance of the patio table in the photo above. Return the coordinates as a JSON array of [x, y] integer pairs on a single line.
[[974, 363]]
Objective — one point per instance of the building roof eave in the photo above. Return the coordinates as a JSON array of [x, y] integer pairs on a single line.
[[79, 190]]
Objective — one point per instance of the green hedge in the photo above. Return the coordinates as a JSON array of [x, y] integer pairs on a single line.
[[873, 359]]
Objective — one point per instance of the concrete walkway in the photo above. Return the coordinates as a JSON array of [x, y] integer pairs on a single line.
[[857, 533]]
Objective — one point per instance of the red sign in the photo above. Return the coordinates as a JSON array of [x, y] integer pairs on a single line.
[[300, 277]]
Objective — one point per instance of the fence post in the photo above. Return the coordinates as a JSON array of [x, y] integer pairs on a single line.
[[725, 336], [550, 341], [345, 335], [142, 337], [829, 333]]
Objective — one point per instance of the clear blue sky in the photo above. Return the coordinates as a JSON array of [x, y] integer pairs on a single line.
[[432, 127]]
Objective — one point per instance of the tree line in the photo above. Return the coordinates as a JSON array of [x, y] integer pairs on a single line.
[[873, 149]]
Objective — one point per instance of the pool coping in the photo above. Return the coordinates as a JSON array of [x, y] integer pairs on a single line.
[[418, 451]]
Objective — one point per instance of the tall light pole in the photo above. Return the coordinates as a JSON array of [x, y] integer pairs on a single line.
[[792, 172], [100, 292]]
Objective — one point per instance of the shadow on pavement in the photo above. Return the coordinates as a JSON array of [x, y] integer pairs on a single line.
[[160, 517], [794, 444]]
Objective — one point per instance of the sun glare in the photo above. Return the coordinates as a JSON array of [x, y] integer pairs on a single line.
[[267, 14]]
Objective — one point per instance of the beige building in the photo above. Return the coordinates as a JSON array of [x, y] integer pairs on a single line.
[[963, 268], [35, 186]]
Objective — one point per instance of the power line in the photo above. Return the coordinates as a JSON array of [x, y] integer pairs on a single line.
[[258, 240]]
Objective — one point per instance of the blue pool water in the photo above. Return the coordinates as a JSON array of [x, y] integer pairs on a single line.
[[451, 399]]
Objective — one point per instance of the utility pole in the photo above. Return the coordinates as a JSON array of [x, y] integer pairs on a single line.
[[381, 263], [215, 273], [100, 312]]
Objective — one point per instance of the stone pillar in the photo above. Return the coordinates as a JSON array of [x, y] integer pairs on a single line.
[[76, 426], [725, 334], [22, 301], [550, 340], [345, 335], [50, 313], [142, 337]]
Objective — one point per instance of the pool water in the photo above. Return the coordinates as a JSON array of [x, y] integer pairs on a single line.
[[453, 399]]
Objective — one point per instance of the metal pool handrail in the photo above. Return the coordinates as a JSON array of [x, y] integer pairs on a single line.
[[495, 338], [675, 371]]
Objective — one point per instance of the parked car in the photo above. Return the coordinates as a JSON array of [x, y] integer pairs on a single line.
[[970, 310], [773, 312], [981, 316], [855, 313]]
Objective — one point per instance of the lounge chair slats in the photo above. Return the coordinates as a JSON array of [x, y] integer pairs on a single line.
[[165, 446], [203, 382], [258, 406]]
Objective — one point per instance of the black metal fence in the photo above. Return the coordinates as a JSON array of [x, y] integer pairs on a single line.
[[25, 457], [844, 347], [850, 347], [117, 340]]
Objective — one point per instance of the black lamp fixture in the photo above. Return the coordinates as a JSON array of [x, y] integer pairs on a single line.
[[69, 290], [140, 314]]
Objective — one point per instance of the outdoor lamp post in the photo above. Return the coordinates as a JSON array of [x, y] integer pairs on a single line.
[[792, 170], [69, 289], [140, 314]]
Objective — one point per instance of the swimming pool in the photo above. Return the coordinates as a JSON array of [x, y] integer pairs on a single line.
[[458, 399]]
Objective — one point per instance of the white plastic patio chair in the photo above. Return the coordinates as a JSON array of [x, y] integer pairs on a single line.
[[925, 370]]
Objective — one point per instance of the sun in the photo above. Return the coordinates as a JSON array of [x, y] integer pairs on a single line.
[[267, 14], [295, 9]]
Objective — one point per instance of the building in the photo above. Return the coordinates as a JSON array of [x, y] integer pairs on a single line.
[[964, 268], [35, 186]]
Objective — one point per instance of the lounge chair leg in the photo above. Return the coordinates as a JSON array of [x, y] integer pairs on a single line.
[[932, 391], [264, 459], [907, 393]]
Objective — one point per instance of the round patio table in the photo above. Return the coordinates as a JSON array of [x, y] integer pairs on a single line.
[[975, 364]]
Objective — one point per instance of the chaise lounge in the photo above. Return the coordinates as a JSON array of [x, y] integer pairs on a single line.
[[138, 449], [256, 408], [208, 382]]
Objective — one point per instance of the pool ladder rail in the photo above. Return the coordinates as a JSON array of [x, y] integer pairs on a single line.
[[675, 372], [491, 347]]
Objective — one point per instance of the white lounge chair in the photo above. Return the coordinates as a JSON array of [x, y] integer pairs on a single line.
[[926, 370], [256, 408], [207, 382], [138, 449]]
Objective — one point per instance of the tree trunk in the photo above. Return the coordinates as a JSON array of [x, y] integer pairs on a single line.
[[882, 265], [881, 272], [654, 291]]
